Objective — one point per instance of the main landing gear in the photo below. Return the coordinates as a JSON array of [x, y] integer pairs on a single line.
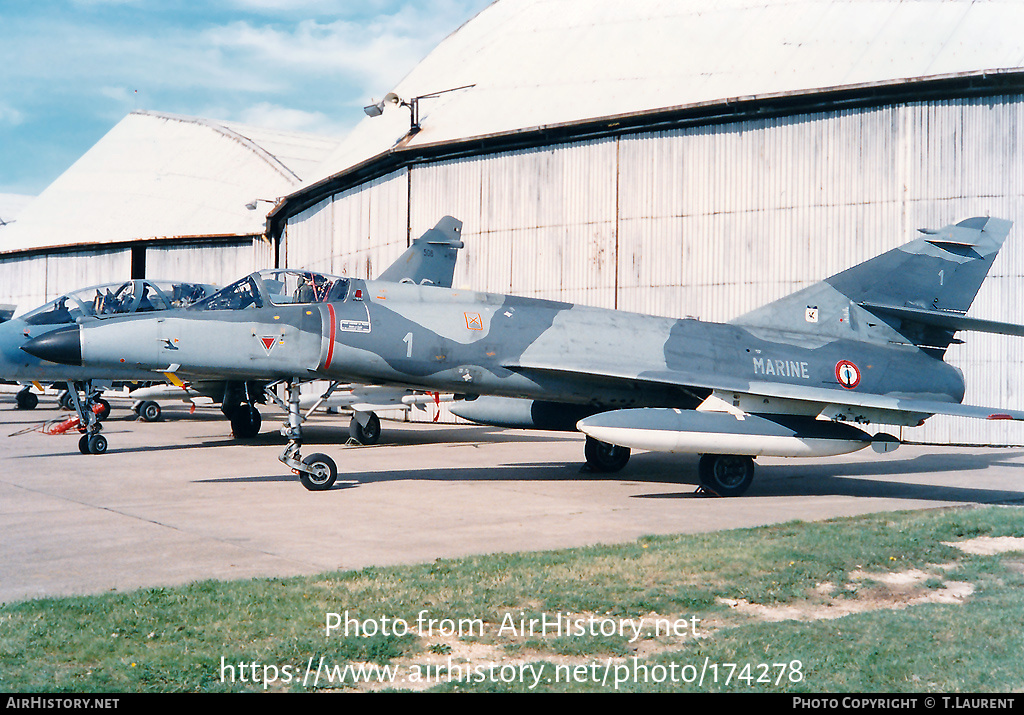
[[93, 401], [727, 475], [317, 472], [238, 406], [604, 457], [148, 410], [245, 421], [365, 428], [26, 399]]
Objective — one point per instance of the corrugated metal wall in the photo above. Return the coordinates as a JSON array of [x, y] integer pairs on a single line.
[[714, 221], [356, 233], [24, 282], [31, 281], [217, 263]]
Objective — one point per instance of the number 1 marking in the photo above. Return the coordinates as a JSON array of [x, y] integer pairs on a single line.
[[408, 341]]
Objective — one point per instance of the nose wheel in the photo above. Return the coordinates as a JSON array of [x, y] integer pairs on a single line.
[[89, 415], [322, 473], [92, 444]]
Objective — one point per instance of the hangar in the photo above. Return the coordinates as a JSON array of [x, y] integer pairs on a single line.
[[693, 158], [159, 196]]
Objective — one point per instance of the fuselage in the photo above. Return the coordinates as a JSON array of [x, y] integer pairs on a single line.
[[136, 296], [16, 365], [480, 343]]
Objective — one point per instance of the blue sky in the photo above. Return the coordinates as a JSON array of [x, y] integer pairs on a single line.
[[72, 69]]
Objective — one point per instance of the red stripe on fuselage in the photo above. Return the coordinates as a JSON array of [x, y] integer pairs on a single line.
[[330, 345]]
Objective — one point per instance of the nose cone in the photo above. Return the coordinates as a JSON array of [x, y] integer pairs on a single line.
[[63, 345]]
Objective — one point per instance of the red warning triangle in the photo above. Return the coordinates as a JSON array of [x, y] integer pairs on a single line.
[[268, 343]]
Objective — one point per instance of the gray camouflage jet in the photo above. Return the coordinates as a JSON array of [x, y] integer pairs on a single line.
[[430, 260], [792, 378], [128, 297]]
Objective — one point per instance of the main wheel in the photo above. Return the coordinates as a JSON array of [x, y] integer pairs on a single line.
[[370, 434], [65, 401], [324, 473], [83, 444], [727, 475], [246, 422], [604, 457], [26, 400], [104, 412], [149, 411]]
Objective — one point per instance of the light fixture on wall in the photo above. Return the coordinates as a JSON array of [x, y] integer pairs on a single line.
[[252, 204], [375, 110]]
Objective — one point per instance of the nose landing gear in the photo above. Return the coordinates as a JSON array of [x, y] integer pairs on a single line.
[[317, 472], [89, 416]]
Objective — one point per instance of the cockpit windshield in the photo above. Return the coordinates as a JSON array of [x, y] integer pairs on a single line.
[[288, 286], [237, 296], [277, 287], [117, 298]]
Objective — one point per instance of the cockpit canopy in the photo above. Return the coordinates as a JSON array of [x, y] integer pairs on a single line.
[[135, 296], [277, 287]]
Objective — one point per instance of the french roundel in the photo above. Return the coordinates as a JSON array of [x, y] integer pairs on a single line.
[[848, 374]]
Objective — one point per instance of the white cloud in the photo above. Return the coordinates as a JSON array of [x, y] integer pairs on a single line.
[[371, 51], [372, 56], [274, 116], [305, 65], [121, 95], [10, 115]]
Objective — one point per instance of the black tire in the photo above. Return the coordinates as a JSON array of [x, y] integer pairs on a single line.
[[97, 444], [246, 422], [604, 457], [83, 444], [26, 400], [370, 434], [727, 475], [325, 473], [104, 412], [65, 401], [149, 411]]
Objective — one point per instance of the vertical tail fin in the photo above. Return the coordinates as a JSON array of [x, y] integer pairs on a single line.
[[431, 257], [913, 293]]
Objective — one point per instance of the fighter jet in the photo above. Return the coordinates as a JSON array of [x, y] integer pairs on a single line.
[[128, 297], [429, 260], [792, 378]]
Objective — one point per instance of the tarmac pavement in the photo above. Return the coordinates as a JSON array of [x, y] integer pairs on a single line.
[[181, 500]]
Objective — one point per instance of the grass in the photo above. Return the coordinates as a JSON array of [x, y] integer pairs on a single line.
[[207, 636]]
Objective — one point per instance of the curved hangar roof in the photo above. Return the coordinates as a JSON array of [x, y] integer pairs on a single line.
[[157, 176], [546, 63]]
